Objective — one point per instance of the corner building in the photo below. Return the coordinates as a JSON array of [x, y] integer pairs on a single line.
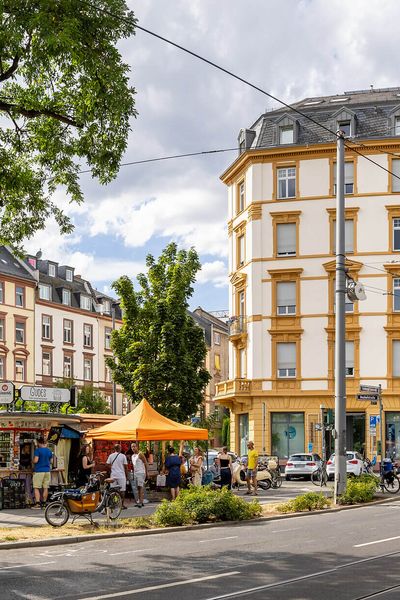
[[282, 218]]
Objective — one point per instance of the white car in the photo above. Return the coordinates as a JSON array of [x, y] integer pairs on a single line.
[[301, 465], [354, 464]]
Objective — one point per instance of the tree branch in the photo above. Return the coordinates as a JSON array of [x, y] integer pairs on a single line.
[[11, 69], [32, 113]]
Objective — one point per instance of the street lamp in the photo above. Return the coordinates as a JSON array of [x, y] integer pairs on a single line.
[[114, 305]]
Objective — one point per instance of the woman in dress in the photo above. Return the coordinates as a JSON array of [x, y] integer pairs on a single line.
[[225, 467], [173, 464], [196, 466], [85, 466]]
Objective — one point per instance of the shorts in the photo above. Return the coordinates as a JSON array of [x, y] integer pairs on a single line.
[[139, 479], [251, 473], [41, 480], [121, 481]]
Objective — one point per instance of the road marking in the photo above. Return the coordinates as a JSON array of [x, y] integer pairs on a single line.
[[231, 537], [397, 537], [50, 562], [161, 586], [131, 551], [284, 530]]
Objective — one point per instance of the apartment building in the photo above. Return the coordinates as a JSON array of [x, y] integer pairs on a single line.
[[281, 196]]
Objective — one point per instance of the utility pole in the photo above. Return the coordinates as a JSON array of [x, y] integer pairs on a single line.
[[340, 324], [323, 442], [114, 385], [381, 429]]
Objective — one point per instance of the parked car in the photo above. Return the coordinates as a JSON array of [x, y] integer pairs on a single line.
[[354, 465], [301, 465], [213, 454]]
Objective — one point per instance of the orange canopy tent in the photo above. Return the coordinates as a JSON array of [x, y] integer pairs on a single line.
[[144, 423]]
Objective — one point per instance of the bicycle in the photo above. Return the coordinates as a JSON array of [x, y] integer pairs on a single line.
[[388, 480], [319, 477], [83, 502]]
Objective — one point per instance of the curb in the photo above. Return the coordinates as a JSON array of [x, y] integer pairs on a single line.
[[161, 530]]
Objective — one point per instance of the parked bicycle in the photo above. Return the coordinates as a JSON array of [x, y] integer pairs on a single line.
[[319, 477], [388, 480], [83, 502]]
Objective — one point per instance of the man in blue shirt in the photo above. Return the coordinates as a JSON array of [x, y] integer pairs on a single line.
[[41, 477]]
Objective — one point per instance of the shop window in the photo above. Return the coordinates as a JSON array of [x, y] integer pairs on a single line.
[[87, 335], [286, 298], [67, 366], [286, 359], [392, 420], [243, 433], [396, 358], [19, 332], [19, 296], [87, 369], [46, 327], [20, 369], [68, 331], [46, 364], [107, 338], [2, 329], [349, 359], [287, 433], [286, 239], [286, 183]]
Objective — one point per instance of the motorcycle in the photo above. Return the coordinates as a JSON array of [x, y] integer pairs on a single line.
[[264, 478]]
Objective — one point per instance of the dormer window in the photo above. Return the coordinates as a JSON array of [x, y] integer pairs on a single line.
[[86, 302], [344, 120], [344, 126], [69, 276], [397, 125], [106, 306], [286, 134], [286, 131], [52, 270]]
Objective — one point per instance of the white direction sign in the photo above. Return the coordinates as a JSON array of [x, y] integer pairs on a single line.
[[372, 389], [6, 392], [35, 393]]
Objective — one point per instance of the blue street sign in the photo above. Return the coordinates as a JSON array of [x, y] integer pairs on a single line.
[[310, 446]]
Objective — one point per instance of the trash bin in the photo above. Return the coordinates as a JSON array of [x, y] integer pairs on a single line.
[[387, 465]]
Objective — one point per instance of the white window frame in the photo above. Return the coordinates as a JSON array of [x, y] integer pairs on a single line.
[[107, 306], [2, 365], [396, 125], [52, 270], [85, 302], [107, 338], [108, 374], [217, 338], [19, 328], [286, 175], [1, 292], [46, 364], [46, 327], [66, 295], [345, 123], [242, 197], [69, 275], [87, 369], [20, 363], [241, 250], [293, 226], [2, 329], [19, 293], [68, 330], [286, 372], [395, 173], [284, 132], [396, 358], [45, 292], [88, 335], [67, 366], [349, 227], [348, 178], [281, 308], [349, 366]]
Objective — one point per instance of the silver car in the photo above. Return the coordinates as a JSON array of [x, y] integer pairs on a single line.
[[301, 465]]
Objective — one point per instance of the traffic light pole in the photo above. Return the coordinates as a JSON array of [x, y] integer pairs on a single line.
[[340, 348]]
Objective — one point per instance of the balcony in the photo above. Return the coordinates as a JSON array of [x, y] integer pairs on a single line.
[[237, 327], [234, 387]]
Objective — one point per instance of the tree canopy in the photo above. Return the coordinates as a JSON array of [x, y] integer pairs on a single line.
[[65, 102], [159, 350]]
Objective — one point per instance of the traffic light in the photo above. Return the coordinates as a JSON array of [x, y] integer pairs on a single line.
[[74, 397]]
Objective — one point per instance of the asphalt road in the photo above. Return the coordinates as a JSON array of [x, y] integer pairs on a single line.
[[349, 555]]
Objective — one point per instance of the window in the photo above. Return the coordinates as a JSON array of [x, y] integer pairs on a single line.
[[86, 302], [241, 250], [69, 275], [287, 433], [348, 304], [44, 291], [66, 297], [2, 329], [397, 126], [46, 327], [2, 372], [345, 126], [286, 134], [87, 335], [242, 304], [396, 173], [67, 366], [107, 338], [396, 358], [243, 433], [348, 236], [19, 296], [106, 306], [46, 364], [68, 331], [87, 369], [20, 369], [348, 178], [286, 239], [349, 359], [1, 292], [217, 362], [286, 359], [392, 422], [19, 332], [217, 338], [286, 298], [287, 182], [52, 270], [396, 235], [241, 199], [242, 363], [108, 374]]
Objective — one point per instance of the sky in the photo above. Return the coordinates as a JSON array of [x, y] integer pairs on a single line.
[[291, 48]]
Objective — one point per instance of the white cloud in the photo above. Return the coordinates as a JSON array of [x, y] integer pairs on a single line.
[[215, 272]]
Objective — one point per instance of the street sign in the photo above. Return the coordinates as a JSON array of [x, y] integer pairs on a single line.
[[7, 390], [371, 389], [318, 426], [35, 393], [374, 421], [368, 397], [329, 427], [310, 446]]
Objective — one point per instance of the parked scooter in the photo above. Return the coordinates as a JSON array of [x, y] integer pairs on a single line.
[[239, 475]]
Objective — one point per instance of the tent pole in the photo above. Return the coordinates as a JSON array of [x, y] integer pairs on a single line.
[[207, 453]]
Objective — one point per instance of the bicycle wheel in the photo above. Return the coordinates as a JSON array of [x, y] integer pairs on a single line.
[[56, 514], [277, 481], [316, 477], [393, 485], [114, 505]]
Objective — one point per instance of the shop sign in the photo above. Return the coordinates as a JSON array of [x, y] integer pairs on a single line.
[[7, 390], [35, 393]]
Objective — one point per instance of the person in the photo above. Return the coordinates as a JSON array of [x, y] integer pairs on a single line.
[[251, 475], [85, 466], [140, 472], [225, 467], [25, 459], [215, 469], [42, 459], [119, 470], [196, 466], [173, 464]]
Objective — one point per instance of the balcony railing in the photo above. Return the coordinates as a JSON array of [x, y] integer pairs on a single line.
[[237, 325], [234, 386]]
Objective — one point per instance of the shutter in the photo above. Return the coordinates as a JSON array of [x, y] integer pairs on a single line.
[[349, 355], [348, 172], [286, 238], [396, 358], [286, 293], [349, 235], [396, 171], [286, 355]]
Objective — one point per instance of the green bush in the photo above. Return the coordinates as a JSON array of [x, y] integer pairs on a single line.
[[309, 501], [202, 505], [360, 490]]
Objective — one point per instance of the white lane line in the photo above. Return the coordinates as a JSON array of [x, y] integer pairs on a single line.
[[231, 537], [161, 587], [50, 562], [285, 530], [397, 537], [131, 551]]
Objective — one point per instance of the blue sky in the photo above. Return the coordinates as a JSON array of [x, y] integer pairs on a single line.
[[293, 49]]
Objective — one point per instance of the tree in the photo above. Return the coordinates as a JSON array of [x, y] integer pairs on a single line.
[[159, 350], [64, 99], [91, 400]]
